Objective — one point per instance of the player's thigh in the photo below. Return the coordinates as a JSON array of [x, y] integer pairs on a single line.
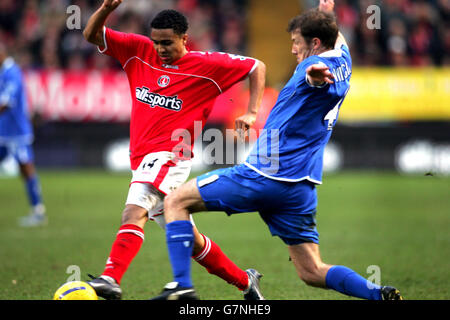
[[143, 202], [233, 190], [290, 212], [186, 196], [22, 153]]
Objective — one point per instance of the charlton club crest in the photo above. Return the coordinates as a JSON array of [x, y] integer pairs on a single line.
[[163, 81]]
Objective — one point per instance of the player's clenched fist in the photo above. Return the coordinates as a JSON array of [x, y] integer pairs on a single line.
[[243, 123], [111, 4], [326, 5]]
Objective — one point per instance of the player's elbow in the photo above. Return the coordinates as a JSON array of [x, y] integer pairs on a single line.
[[87, 35], [90, 36], [261, 68], [258, 76]]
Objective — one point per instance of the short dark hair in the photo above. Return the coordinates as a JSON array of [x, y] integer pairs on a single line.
[[316, 24], [170, 19]]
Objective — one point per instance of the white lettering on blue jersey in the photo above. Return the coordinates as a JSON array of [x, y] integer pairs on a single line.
[[304, 117]]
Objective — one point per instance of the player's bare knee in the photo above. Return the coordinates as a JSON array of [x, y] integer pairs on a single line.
[[134, 215], [174, 201], [170, 201]]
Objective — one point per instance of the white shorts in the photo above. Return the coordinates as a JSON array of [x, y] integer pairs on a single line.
[[158, 174]]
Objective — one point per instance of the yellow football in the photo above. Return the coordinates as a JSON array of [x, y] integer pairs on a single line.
[[75, 290]]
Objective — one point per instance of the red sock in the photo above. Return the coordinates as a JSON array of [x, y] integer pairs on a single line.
[[217, 263], [127, 244]]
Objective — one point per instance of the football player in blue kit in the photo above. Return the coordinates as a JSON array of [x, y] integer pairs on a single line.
[[16, 135], [279, 176]]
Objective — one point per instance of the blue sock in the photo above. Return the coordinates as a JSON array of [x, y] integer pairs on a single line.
[[347, 281], [33, 190], [180, 243]]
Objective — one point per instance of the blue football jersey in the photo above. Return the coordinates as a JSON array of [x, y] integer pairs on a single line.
[[291, 146], [15, 126]]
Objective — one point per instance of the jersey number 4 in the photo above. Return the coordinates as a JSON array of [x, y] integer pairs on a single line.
[[333, 113]]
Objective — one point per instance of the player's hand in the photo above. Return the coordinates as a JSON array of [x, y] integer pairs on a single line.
[[326, 5], [243, 124], [111, 5], [318, 74]]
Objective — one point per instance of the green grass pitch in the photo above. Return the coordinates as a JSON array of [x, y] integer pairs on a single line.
[[401, 224]]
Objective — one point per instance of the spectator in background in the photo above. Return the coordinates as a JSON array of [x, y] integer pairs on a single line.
[[446, 44], [413, 32], [397, 44], [348, 21], [36, 31]]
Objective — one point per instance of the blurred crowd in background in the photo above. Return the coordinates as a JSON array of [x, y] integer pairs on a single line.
[[412, 32], [38, 37]]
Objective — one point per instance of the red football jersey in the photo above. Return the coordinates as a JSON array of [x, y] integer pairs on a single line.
[[170, 97]]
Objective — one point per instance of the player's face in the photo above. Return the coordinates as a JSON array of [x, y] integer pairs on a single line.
[[169, 45], [300, 48]]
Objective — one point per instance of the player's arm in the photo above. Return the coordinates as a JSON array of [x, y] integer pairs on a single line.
[[257, 81], [93, 32], [318, 75], [328, 6]]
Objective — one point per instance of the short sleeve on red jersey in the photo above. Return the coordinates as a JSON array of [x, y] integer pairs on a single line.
[[123, 46], [228, 69]]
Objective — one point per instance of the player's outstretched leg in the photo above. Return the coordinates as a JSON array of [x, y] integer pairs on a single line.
[[314, 272], [347, 281]]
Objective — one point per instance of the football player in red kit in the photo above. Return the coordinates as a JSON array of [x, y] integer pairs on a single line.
[[172, 89]]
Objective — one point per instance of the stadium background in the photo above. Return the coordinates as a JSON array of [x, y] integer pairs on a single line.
[[396, 117], [397, 106]]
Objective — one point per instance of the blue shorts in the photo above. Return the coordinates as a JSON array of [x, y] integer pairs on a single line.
[[22, 153], [288, 208]]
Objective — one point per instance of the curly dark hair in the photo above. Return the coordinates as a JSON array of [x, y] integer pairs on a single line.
[[316, 24], [170, 19]]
